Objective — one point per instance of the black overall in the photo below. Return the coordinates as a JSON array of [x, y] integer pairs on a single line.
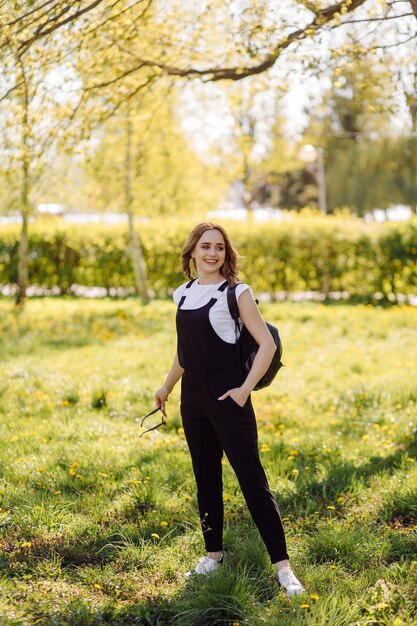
[[212, 426]]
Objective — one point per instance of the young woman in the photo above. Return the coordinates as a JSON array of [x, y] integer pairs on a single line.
[[216, 408]]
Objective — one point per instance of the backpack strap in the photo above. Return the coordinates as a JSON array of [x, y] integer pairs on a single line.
[[233, 308], [232, 303]]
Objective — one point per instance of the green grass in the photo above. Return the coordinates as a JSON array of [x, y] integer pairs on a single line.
[[98, 526]]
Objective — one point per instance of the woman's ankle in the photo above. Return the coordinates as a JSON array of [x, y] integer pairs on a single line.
[[216, 556]]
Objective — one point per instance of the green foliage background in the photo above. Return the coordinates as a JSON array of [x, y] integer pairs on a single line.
[[304, 253]]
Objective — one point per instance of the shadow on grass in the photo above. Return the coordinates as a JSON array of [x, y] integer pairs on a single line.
[[225, 597], [343, 477]]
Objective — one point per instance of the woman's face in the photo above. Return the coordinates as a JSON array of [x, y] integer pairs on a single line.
[[209, 255]]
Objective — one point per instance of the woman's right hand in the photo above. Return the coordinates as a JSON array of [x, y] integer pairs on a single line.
[[161, 396]]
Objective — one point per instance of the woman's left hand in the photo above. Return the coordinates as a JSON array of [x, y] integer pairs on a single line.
[[237, 394]]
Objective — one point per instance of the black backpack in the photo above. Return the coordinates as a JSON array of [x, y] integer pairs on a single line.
[[247, 346]]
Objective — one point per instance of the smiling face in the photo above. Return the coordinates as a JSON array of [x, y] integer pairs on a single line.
[[209, 255]]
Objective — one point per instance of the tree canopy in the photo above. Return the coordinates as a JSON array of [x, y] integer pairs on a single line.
[[212, 40]]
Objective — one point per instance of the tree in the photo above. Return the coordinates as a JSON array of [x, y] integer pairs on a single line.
[[168, 177], [132, 43], [32, 122], [215, 40], [369, 161]]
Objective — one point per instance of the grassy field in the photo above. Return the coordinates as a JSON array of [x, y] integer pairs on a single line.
[[98, 526]]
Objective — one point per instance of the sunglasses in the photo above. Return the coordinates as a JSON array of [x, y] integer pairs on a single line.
[[163, 423]]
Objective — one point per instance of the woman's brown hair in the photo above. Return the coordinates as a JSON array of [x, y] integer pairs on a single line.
[[229, 269]]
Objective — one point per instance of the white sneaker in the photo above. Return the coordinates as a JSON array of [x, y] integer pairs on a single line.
[[205, 565], [289, 582]]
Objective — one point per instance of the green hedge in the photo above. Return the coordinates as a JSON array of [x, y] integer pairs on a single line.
[[302, 253]]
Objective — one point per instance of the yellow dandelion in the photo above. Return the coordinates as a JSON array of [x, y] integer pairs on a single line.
[[40, 470], [164, 524], [97, 586], [382, 605], [333, 566], [57, 493], [155, 536], [340, 499], [186, 497], [330, 508], [305, 606], [26, 544], [72, 471], [294, 452], [410, 460], [265, 448], [315, 597]]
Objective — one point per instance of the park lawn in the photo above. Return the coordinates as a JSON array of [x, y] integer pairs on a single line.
[[98, 525]]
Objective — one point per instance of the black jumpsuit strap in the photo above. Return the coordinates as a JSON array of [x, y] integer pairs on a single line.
[[221, 288], [187, 286]]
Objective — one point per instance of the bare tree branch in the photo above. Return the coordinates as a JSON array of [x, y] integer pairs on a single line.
[[43, 32], [321, 18], [9, 91], [394, 45], [378, 19], [139, 16], [118, 78], [21, 18]]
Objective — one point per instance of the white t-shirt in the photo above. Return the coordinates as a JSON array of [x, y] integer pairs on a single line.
[[198, 296]]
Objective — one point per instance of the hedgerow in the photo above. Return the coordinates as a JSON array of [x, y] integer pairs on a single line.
[[302, 253]]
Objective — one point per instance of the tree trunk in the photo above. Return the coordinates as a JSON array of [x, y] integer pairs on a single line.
[[138, 261], [22, 266], [135, 248]]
